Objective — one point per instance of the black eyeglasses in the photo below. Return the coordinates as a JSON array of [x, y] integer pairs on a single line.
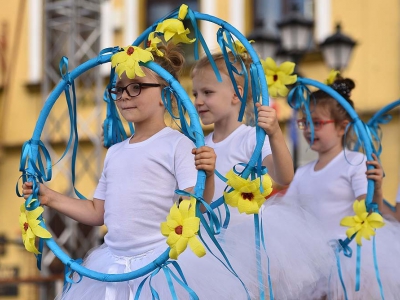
[[133, 89], [303, 124]]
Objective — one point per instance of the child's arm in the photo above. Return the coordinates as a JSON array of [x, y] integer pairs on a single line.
[[280, 163], [376, 174], [205, 158], [84, 211]]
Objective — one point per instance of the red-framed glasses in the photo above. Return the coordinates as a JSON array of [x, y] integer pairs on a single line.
[[303, 124]]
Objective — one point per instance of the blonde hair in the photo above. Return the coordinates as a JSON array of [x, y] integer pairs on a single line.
[[219, 59]]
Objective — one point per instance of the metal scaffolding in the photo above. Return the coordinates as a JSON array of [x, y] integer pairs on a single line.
[[72, 29]]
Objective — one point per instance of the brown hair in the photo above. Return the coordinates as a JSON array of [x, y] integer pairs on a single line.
[[338, 113], [219, 59], [343, 86], [172, 61]]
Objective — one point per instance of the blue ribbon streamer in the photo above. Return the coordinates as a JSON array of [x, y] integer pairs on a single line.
[[299, 98], [225, 41], [69, 273]]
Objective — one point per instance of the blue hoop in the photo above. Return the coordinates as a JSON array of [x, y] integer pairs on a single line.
[[104, 57], [199, 188], [256, 61], [366, 140]]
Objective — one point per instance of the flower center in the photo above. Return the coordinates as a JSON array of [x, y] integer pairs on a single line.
[[178, 229], [130, 50], [247, 196], [148, 43], [26, 226], [275, 77]]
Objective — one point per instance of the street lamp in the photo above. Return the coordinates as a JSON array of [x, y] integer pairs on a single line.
[[296, 38], [266, 42], [296, 34], [336, 49]]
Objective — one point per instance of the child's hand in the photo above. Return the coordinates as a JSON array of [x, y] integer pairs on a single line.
[[27, 191], [375, 173], [204, 159], [267, 119]]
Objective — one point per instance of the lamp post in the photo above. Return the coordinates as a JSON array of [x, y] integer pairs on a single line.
[[296, 38], [296, 35], [336, 49], [266, 43]]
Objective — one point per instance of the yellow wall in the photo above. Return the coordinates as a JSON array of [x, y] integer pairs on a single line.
[[375, 67]]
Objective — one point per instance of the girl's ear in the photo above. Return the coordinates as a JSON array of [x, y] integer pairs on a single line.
[[235, 98], [343, 126]]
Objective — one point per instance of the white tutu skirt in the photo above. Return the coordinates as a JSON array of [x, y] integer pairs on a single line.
[[206, 276], [387, 244], [299, 258]]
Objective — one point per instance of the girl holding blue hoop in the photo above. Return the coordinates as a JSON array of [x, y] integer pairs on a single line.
[[136, 191], [336, 185], [294, 256]]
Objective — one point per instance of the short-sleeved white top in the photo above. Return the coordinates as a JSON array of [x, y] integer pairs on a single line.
[[138, 183]]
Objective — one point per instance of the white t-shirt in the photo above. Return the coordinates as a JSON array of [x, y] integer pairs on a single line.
[[237, 148], [138, 184], [329, 193]]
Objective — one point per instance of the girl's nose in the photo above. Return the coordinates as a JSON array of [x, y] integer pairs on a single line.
[[125, 95], [198, 101]]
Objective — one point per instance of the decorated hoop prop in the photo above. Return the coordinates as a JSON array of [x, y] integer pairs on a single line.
[[298, 98], [34, 145], [33, 169]]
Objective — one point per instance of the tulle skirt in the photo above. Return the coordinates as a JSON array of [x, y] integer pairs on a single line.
[[387, 246], [206, 276], [295, 258]]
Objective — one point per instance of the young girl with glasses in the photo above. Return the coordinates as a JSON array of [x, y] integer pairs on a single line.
[[328, 187], [134, 196], [295, 256]]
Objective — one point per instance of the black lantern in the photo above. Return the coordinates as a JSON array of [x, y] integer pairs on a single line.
[[265, 42], [296, 32], [337, 49]]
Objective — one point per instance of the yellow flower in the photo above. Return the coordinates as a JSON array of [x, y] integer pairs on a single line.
[[278, 77], [29, 223], [152, 43], [128, 61], [246, 195], [174, 28], [363, 224], [332, 77], [181, 229], [240, 48]]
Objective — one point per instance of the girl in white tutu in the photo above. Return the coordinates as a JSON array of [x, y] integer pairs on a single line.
[[328, 188], [298, 256], [136, 191]]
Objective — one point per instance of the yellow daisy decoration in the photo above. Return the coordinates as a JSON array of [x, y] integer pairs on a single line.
[[181, 228], [240, 48], [332, 77], [30, 228], [174, 28], [363, 224], [278, 76], [246, 195], [128, 61], [152, 43]]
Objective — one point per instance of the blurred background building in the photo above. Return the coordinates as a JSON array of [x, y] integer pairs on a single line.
[[36, 34]]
